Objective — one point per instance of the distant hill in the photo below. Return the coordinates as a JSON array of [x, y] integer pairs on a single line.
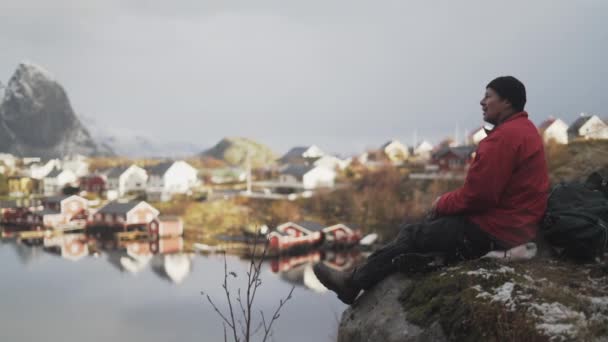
[[37, 119], [234, 152], [131, 143]]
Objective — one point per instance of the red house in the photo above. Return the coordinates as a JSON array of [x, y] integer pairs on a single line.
[[341, 234], [14, 212], [454, 158], [59, 212], [93, 184], [292, 234], [123, 216]]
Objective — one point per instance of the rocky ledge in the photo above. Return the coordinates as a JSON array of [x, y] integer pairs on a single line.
[[485, 300]]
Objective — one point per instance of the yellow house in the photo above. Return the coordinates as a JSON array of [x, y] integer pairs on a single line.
[[21, 186]]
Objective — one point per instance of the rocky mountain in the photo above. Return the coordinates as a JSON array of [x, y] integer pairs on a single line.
[[37, 119], [2, 89], [234, 151]]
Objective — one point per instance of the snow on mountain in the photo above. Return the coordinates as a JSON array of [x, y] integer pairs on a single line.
[[37, 119], [133, 144]]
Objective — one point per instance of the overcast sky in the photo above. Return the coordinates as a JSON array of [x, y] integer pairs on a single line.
[[345, 75]]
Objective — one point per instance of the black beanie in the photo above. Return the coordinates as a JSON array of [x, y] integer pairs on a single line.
[[510, 88]]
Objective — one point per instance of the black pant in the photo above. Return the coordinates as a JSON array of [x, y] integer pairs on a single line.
[[452, 237]]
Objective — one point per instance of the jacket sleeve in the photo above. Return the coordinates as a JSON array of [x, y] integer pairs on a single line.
[[486, 179]]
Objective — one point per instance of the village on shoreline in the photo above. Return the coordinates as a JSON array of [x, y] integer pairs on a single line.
[[44, 197]]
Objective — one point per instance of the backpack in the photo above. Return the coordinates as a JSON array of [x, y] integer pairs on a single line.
[[576, 221]]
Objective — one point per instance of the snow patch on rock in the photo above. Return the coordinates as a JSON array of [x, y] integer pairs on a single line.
[[557, 320]]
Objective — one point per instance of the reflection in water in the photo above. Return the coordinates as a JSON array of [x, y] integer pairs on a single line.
[[173, 267], [165, 256], [298, 270], [28, 252], [70, 246], [133, 302]]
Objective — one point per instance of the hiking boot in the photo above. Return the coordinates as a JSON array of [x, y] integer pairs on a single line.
[[339, 282]]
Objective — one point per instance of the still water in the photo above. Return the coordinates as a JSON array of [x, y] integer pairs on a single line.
[[74, 288]]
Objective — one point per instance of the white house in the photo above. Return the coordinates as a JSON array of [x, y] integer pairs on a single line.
[[77, 164], [477, 135], [56, 180], [307, 177], [332, 162], [395, 151], [554, 130], [423, 150], [39, 170], [588, 127], [8, 161], [301, 154], [169, 178], [122, 180]]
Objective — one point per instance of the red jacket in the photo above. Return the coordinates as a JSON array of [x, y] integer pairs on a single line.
[[506, 188]]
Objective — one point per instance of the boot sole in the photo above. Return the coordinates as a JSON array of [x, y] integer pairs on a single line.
[[321, 276]]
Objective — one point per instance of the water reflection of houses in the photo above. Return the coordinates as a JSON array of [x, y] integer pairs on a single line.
[[172, 267], [27, 252], [70, 246], [164, 256], [298, 270]]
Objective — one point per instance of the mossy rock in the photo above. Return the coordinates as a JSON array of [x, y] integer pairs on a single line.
[[538, 300], [486, 300]]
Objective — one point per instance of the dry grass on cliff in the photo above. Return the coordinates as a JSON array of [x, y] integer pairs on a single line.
[[576, 160]]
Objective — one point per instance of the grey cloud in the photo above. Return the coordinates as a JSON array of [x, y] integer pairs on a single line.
[[343, 74]]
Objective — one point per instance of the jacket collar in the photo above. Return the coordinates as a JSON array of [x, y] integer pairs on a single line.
[[515, 116]]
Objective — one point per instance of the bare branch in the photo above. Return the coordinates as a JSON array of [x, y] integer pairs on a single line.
[[218, 311], [229, 300], [276, 315], [254, 281]]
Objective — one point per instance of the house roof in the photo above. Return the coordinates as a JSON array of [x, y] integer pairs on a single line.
[[8, 204], [294, 153], [45, 211], [54, 173], [463, 152], [118, 207], [55, 199], [117, 171], [387, 143], [545, 124], [160, 169], [278, 233], [310, 225], [578, 123], [298, 170], [347, 225]]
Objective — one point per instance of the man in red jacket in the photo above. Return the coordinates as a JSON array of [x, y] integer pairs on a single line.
[[503, 199]]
